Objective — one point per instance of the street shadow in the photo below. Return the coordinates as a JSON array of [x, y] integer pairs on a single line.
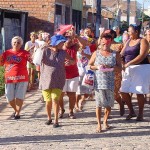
[[68, 138]]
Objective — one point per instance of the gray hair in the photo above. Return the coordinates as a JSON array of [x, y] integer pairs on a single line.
[[17, 38]]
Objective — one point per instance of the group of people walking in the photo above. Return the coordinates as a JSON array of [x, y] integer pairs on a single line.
[[118, 62]]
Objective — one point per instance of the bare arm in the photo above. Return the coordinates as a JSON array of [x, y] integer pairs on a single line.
[[86, 55], [70, 60], [144, 46], [91, 62], [118, 66], [82, 41]]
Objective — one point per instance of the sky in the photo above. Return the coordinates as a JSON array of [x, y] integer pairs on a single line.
[[147, 3]]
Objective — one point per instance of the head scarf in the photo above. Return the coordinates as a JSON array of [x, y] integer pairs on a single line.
[[63, 28]]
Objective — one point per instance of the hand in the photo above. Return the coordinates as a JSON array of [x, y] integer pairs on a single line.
[[68, 62], [106, 66], [126, 65], [33, 46], [53, 49]]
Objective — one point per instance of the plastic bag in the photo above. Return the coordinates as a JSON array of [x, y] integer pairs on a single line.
[[88, 79], [38, 55]]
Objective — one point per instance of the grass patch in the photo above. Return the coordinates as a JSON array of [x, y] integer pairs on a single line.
[[2, 83]]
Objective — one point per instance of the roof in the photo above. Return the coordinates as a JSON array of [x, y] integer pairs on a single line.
[[12, 10]]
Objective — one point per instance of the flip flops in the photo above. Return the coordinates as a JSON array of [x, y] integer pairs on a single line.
[[71, 116]]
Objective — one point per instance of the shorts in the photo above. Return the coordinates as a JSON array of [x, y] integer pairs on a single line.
[[51, 94], [104, 98], [71, 85], [81, 88], [29, 65], [15, 90]]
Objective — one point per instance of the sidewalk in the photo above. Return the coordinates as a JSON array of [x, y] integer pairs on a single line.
[[30, 132]]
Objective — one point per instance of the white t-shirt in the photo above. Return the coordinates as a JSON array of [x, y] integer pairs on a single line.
[[41, 43], [29, 44], [82, 61]]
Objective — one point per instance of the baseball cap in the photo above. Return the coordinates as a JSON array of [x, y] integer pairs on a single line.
[[56, 39]]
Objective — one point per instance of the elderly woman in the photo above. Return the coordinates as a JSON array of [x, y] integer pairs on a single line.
[[104, 61], [52, 79], [16, 74], [137, 70]]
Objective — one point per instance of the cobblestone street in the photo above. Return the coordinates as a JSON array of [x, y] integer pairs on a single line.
[[30, 132]]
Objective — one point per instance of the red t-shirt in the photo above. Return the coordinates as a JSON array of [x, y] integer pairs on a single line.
[[93, 48], [15, 65], [72, 70]]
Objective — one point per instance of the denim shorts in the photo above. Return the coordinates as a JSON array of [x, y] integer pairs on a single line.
[[15, 90]]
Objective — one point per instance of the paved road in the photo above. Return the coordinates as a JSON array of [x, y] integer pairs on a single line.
[[30, 132]]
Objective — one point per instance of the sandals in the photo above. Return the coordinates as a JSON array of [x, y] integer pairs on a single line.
[[130, 116], [48, 122], [139, 118], [56, 125], [62, 113], [98, 130], [106, 126], [71, 116], [17, 117]]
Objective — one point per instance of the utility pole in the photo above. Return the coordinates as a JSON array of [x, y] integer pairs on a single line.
[[118, 14], [98, 17], [128, 12]]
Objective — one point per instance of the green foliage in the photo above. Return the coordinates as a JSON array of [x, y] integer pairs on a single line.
[[2, 85], [145, 17]]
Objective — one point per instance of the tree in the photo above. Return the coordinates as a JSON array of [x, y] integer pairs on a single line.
[[144, 17]]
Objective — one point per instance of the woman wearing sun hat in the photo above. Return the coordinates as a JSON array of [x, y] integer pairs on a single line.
[[53, 77]]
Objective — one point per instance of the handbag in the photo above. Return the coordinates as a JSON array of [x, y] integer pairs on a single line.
[[88, 79]]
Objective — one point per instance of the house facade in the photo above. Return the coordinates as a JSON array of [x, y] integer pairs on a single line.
[[42, 14], [135, 10]]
